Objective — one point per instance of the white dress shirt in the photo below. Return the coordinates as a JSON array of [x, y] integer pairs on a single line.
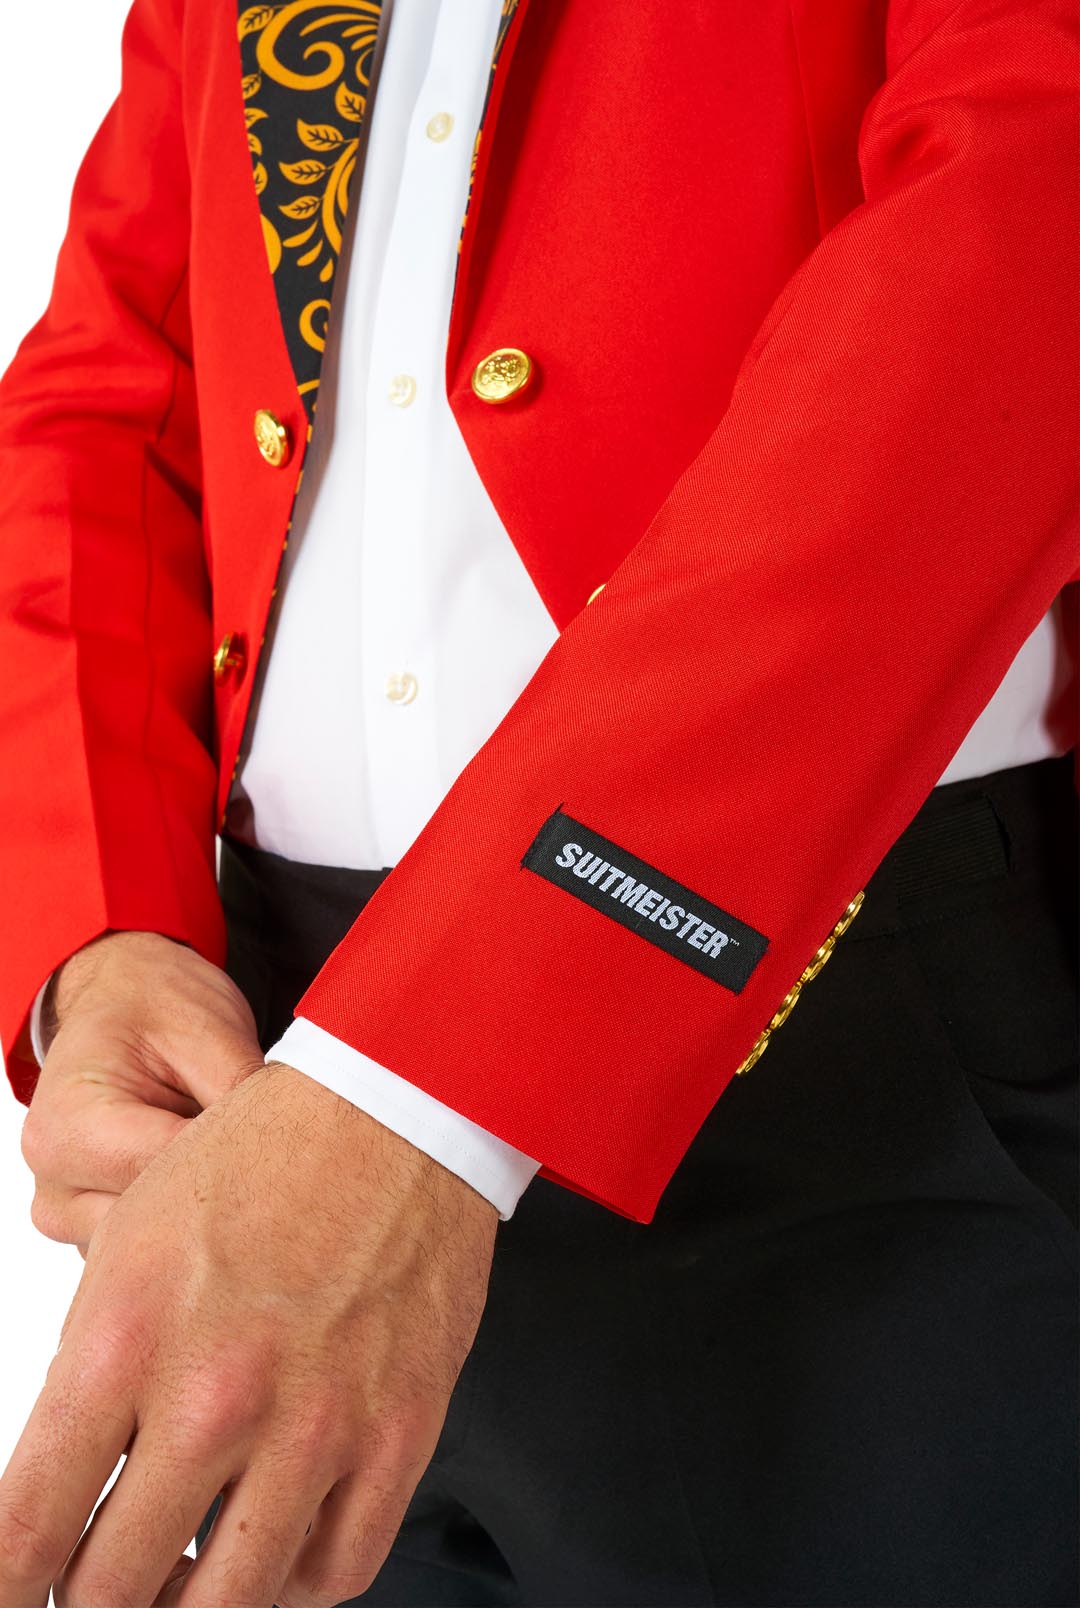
[[427, 622]]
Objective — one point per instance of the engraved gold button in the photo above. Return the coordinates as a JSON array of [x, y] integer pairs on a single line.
[[502, 374], [402, 390], [231, 656], [439, 127], [402, 688], [272, 438], [595, 594]]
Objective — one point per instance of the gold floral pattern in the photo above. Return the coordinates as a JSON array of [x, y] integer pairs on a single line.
[[306, 75]]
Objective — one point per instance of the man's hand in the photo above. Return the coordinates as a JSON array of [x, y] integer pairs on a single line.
[[141, 1034], [278, 1307]]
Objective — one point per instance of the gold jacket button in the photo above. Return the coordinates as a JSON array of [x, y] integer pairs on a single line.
[[272, 438], [231, 656], [502, 374]]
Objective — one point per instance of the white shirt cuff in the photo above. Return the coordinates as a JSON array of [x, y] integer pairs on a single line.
[[35, 1022], [492, 1167]]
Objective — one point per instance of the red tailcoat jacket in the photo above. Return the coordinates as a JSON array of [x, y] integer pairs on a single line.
[[797, 281]]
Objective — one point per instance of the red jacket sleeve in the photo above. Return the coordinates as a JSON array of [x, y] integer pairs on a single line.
[[107, 780], [779, 672]]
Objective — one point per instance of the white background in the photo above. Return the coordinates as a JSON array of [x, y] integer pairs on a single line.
[[59, 72]]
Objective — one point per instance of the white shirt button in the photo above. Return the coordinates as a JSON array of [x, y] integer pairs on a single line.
[[402, 390], [402, 687], [439, 127]]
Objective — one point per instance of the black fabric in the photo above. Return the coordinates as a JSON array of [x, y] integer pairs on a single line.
[[839, 1365], [638, 896]]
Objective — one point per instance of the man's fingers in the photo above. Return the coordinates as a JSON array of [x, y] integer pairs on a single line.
[[169, 1594], [73, 1439], [93, 1144], [70, 1218], [349, 1541], [131, 1548], [259, 1528]]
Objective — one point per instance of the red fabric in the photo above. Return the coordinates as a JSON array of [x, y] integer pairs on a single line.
[[800, 288]]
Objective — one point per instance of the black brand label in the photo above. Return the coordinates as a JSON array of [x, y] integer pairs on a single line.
[[638, 896]]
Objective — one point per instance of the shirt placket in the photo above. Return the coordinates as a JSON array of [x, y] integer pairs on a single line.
[[401, 512]]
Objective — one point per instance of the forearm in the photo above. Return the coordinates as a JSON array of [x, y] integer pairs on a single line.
[[777, 675], [106, 770]]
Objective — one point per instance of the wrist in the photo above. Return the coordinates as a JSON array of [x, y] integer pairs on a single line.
[[76, 980], [405, 1167]]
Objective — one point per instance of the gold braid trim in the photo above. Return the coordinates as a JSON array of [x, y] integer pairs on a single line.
[[791, 998]]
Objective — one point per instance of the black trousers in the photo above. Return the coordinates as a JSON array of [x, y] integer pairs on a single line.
[[839, 1366]]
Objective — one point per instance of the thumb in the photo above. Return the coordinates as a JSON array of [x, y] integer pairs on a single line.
[[220, 1062]]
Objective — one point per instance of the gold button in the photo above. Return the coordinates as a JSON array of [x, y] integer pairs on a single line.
[[272, 438], [595, 594], [230, 656], [501, 375], [439, 127], [402, 390], [402, 689]]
